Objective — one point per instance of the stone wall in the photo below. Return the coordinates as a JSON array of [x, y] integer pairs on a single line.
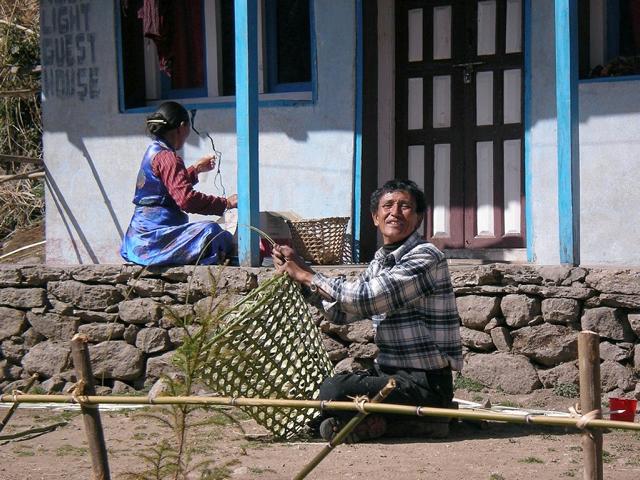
[[519, 322]]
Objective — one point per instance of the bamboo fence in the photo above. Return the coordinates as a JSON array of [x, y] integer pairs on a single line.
[[579, 421]]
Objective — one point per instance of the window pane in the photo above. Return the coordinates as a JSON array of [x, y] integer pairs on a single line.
[[292, 41], [228, 47]]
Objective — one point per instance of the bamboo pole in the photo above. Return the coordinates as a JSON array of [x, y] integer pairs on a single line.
[[590, 392], [346, 430], [7, 417], [90, 414], [464, 414]]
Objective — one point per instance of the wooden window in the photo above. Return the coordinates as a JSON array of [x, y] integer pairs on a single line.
[[193, 55]]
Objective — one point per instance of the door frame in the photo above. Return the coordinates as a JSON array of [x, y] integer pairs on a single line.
[[379, 113]]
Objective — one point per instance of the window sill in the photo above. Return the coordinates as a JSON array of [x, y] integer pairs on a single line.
[[264, 100], [620, 78]]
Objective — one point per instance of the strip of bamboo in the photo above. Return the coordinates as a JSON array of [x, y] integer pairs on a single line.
[[343, 406]]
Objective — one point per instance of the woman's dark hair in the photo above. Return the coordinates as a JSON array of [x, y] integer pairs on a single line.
[[170, 115], [402, 186]]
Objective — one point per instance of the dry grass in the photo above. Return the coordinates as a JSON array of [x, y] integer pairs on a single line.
[[21, 201]]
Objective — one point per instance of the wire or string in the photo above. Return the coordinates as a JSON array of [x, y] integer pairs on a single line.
[[217, 179]]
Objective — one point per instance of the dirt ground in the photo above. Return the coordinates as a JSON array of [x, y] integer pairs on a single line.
[[497, 451]]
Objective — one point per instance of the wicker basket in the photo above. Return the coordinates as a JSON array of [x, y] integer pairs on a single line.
[[268, 346], [320, 241]]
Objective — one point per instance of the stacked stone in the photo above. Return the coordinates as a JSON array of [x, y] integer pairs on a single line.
[[519, 322], [127, 313], [520, 325]]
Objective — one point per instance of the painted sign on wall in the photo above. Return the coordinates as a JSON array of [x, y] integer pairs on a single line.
[[68, 49]]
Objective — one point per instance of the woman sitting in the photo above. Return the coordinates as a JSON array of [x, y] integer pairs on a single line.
[[160, 232]]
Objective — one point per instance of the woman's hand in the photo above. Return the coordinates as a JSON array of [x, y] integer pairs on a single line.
[[206, 163], [232, 201], [286, 260]]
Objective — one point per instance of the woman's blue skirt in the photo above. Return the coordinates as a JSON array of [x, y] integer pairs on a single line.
[[163, 236]]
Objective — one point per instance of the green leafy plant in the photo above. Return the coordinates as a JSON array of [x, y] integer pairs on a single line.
[[531, 460], [464, 383], [568, 390], [174, 459]]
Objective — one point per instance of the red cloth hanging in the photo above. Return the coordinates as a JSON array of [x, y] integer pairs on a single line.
[[175, 26]]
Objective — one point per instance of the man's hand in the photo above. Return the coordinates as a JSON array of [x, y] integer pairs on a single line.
[[206, 163], [286, 260]]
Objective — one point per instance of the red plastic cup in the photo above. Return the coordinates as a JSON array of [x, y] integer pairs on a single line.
[[628, 405]]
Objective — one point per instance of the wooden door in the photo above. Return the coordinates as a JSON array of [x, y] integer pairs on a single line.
[[459, 84]]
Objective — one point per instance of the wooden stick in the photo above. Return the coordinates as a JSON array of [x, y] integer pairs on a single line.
[[13, 408], [90, 414], [590, 392], [22, 176], [19, 159], [342, 434], [31, 433], [465, 414], [26, 247], [23, 93], [19, 27]]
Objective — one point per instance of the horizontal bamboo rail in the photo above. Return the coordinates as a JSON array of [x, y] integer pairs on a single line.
[[533, 419]]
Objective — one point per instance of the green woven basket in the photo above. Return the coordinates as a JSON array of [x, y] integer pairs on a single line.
[[269, 347]]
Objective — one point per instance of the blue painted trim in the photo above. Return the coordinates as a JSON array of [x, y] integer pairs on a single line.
[[119, 60], [622, 78], [226, 105], [566, 31], [528, 163], [246, 39], [357, 137]]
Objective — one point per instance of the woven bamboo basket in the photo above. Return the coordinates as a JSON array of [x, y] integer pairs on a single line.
[[268, 346], [320, 241]]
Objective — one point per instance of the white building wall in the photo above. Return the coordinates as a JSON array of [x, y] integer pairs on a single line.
[[543, 136], [610, 172], [609, 158], [92, 151]]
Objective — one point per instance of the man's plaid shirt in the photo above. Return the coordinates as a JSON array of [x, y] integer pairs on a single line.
[[408, 295]]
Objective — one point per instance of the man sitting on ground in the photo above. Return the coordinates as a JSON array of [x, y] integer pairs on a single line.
[[407, 292]]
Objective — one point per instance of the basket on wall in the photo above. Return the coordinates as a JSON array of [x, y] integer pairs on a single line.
[[321, 241], [268, 346]]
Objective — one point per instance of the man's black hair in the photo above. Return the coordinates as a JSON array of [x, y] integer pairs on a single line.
[[402, 186]]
